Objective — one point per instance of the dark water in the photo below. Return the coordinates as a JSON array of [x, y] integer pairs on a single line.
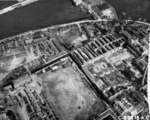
[[133, 8], [6, 4], [38, 15], [45, 13]]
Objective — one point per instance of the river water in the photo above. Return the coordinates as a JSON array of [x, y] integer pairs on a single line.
[[37, 15], [133, 8], [45, 13]]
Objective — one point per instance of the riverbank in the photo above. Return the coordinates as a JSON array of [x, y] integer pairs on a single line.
[[40, 14], [134, 8]]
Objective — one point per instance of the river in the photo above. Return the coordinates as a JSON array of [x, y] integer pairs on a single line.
[[37, 15], [133, 8], [45, 13]]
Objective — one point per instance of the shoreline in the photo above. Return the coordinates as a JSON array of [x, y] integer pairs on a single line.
[[39, 15], [63, 25]]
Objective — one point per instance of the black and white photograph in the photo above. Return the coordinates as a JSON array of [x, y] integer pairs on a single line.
[[74, 59]]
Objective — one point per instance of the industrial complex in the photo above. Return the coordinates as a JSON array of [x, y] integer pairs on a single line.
[[86, 70]]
